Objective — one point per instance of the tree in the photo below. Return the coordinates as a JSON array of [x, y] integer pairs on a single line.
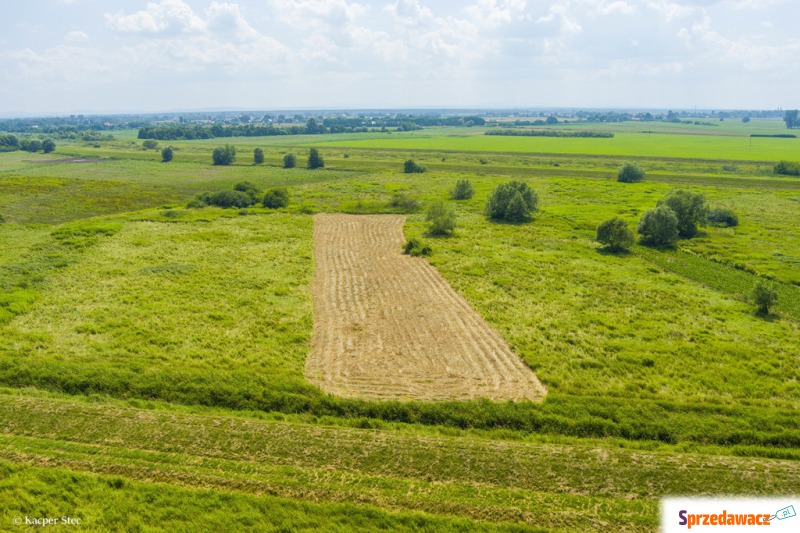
[[150, 144], [224, 155], [315, 159], [658, 227], [745, 119], [792, 119], [410, 167], [30, 145], [615, 235], [503, 204], [276, 198], [690, 208], [463, 190], [289, 161], [249, 189], [48, 146], [551, 120], [441, 219], [764, 296], [630, 173], [167, 154], [258, 156]]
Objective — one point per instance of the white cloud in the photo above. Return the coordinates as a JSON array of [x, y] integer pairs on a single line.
[[157, 18], [610, 8], [301, 13], [76, 37]]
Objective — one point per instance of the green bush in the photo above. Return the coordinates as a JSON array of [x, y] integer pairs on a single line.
[[289, 161], [249, 189], [658, 227], [315, 159], [48, 146], [630, 173], [167, 154], [258, 156], [403, 203], [196, 203], [275, 198], [150, 144], [690, 208], [224, 155], [410, 167], [463, 190], [442, 220], [764, 296], [615, 235], [231, 199], [513, 201], [787, 168], [416, 248], [722, 217]]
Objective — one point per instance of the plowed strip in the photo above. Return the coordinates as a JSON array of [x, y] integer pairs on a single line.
[[388, 326]]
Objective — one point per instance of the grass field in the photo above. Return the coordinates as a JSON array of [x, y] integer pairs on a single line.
[[152, 353]]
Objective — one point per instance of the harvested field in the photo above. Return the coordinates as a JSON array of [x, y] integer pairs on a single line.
[[388, 326]]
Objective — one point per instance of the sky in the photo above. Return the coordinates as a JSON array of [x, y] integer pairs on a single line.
[[82, 56]]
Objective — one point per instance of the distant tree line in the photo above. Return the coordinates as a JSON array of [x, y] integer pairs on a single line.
[[174, 132], [551, 133], [792, 119]]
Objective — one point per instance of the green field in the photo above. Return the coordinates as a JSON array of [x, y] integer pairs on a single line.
[[154, 353]]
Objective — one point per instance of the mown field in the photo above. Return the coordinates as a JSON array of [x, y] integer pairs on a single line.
[[153, 353]]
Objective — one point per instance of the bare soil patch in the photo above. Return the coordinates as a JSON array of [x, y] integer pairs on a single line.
[[388, 326]]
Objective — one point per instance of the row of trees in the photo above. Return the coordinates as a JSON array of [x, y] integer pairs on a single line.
[[225, 155], [11, 143]]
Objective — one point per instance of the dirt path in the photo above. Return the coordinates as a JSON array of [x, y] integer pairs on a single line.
[[388, 326]]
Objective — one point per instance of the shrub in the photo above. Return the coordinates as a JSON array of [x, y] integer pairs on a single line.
[[258, 156], [513, 201], [788, 168], [463, 190], [410, 167], [404, 203], [441, 219], [690, 208], [630, 173], [722, 217], [276, 198], [167, 154], [30, 145], [249, 189], [48, 146], [764, 296], [150, 144], [196, 203], [416, 248], [224, 155], [615, 235], [231, 199], [289, 161], [658, 227], [315, 159]]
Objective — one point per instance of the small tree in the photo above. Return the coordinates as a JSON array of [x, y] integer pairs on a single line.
[[658, 227], [276, 198], [167, 154], [289, 161], [224, 155], [764, 296], [441, 219], [463, 190], [410, 167], [690, 208], [315, 159], [615, 235], [630, 173], [48, 146], [258, 156], [150, 144], [249, 189], [499, 206]]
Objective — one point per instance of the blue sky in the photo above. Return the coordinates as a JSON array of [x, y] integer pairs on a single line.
[[66, 56]]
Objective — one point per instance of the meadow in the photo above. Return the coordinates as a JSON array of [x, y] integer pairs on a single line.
[[186, 331]]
